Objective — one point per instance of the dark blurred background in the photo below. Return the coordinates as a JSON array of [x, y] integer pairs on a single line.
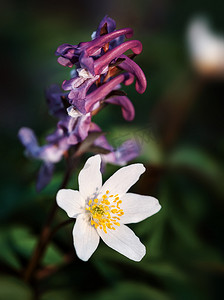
[[179, 125]]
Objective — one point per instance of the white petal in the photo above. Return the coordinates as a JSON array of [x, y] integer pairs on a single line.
[[85, 236], [123, 179], [90, 178], [137, 207], [124, 241], [71, 201]]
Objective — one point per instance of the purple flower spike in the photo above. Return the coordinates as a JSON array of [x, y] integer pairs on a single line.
[[127, 107], [130, 66], [105, 89]]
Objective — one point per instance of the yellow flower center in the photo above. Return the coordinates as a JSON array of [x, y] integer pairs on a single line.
[[105, 212]]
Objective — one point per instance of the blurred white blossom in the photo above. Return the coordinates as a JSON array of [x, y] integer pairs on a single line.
[[206, 48]]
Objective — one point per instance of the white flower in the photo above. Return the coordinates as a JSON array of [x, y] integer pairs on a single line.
[[102, 210], [206, 47]]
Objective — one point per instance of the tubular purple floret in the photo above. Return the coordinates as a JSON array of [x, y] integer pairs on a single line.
[[92, 46], [129, 80], [130, 66], [67, 54], [106, 88], [100, 63], [64, 48], [128, 110]]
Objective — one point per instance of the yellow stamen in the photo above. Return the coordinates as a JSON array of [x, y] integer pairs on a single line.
[[103, 214]]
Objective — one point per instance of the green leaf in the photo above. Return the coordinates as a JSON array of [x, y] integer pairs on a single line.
[[25, 244], [200, 164], [18, 241], [52, 256], [58, 295], [7, 254], [13, 288], [130, 291], [151, 151]]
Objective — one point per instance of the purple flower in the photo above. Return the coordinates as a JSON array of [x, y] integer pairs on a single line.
[[122, 155], [129, 150], [101, 92], [82, 55], [127, 107], [79, 87], [100, 68], [54, 97], [49, 154], [130, 66], [74, 130], [70, 131], [107, 25], [98, 64]]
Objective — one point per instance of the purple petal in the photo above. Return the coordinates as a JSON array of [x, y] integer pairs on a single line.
[[119, 40], [72, 83], [67, 55], [101, 141], [129, 150], [100, 63], [93, 46], [65, 62], [127, 107], [87, 62], [44, 175], [79, 130], [54, 101], [67, 49], [105, 89], [111, 25], [57, 134], [51, 153], [130, 66], [29, 141], [77, 95]]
